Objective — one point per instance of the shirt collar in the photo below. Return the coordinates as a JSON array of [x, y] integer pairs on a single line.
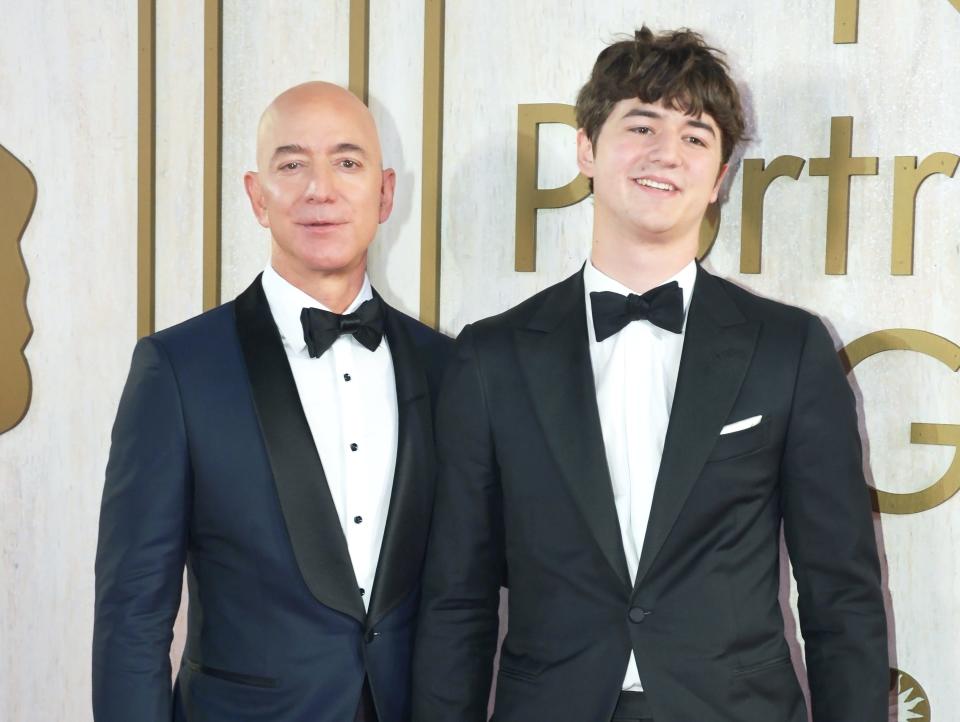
[[286, 301], [596, 280]]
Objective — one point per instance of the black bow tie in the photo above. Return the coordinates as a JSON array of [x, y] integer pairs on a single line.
[[322, 328], [662, 306]]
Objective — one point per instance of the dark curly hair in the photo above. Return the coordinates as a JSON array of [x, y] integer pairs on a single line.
[[675, 68]]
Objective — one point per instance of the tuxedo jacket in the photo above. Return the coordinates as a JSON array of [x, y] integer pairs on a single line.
[[213, 467], [525, 499]]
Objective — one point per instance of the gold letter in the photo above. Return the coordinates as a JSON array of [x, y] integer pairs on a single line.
[[709, 229], [756, 180], [948, 353], [18, 194], [529, 197], [839, 167], [906, 182]]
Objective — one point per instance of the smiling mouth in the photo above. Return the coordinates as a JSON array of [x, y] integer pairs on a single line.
[[659, 185]]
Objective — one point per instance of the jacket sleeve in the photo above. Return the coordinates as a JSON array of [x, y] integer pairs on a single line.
[[464, 569], [142, 545], [829, 533]]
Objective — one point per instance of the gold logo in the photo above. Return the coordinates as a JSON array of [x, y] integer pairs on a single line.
[[908, 699], [18, 194], [948, 353]]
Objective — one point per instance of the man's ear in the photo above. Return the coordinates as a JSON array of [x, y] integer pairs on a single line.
[[716, 186], [584, 153], [251, 182], [388, 184]]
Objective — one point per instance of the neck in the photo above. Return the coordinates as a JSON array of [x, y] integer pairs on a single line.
[[641, 265], [335, 290]]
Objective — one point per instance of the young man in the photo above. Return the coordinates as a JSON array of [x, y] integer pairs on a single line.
[[622, 449], [281, 446]]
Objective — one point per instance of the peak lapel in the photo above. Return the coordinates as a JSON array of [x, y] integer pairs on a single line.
[[405, 534], [717, 350], [308, 509], [555, 356]]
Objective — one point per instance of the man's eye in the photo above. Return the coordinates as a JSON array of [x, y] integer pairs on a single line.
[[695, 140], [641, 130], [348, 164], [292, 165]]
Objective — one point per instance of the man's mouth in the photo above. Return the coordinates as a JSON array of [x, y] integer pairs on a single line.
[[320, 225], [658, 184]]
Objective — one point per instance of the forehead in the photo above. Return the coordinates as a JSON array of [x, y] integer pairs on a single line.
[[319, 124]]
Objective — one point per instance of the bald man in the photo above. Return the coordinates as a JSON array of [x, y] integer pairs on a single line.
[[280, 448]]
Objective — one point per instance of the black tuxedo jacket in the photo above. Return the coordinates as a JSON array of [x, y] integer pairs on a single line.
[[213, 466], [524, 499]]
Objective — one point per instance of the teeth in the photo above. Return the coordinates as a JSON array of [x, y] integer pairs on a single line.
[[655, 184]]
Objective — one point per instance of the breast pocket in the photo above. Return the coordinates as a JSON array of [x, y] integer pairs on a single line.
[[741, 443]]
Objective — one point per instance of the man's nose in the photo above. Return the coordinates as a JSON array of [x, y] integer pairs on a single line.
[[321, 186], [666, 149]]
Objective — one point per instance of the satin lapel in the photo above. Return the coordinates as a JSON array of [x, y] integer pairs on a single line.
[[308, 509], [717, 350], [555, 357], [405, 534]]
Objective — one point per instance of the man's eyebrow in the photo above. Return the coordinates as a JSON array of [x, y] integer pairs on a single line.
[[296, 148], [348, 148], [288, 149], [700, 124], [644, 113]]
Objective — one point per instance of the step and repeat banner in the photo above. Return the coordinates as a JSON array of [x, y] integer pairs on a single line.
[[125, 128]]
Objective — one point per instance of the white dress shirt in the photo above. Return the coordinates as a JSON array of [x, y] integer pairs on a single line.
[[349, 396], [635, 375]]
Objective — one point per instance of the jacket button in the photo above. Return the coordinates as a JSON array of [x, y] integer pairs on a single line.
[[370, 636], [637, 615]]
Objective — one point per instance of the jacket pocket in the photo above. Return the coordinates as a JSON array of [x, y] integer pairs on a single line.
[[518, 674], [740, 443], [245, 679], [763, 666]]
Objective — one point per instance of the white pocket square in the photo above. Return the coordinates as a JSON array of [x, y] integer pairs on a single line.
[[740, 425]]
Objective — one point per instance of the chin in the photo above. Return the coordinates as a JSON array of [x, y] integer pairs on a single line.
[[333, 263]]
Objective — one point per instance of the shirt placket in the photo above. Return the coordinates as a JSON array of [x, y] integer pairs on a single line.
[[354, 454]]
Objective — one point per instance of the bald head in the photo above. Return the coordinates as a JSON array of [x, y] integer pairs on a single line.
[[320, 187], [313, 102]]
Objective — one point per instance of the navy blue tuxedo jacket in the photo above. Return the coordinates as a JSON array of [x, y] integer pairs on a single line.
[[212, 467]]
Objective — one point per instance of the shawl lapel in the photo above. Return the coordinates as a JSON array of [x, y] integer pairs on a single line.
[[313, 524]]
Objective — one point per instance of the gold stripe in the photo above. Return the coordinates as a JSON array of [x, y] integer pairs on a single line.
[[146, 167], [432, 166], [846, 14], [360, 48], [212, 148]]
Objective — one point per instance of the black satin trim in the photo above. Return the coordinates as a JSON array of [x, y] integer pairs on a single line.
[[313, 524]]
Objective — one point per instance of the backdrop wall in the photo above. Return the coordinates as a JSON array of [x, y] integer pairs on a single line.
[[69, 96]]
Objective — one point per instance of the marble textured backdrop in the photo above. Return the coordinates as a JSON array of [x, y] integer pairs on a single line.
[[68, 83]]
